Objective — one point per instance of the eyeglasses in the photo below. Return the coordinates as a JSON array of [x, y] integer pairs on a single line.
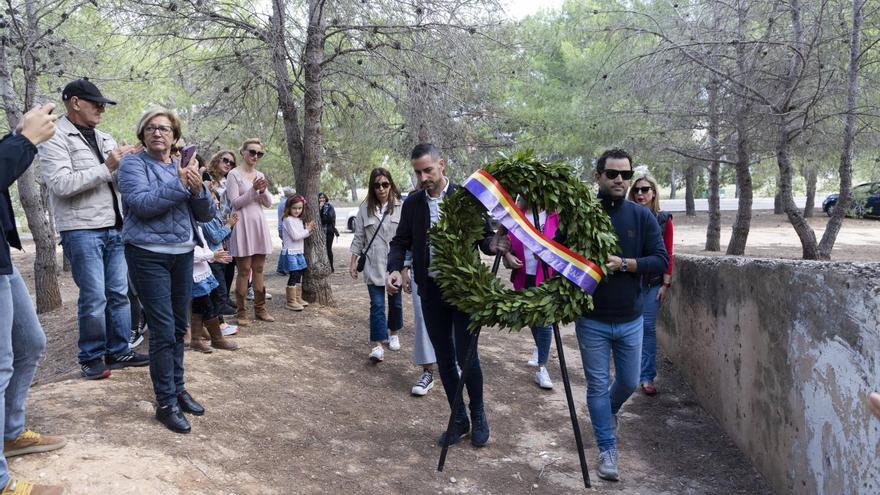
[[612, 174], [643, 190], [227, 161], [164, 129], [382, 185], [258, 154]]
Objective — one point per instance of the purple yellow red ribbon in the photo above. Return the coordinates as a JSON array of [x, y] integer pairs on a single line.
[[584, 273]]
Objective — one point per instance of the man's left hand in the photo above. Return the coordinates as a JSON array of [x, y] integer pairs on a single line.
[[614, 263], [501, 242]]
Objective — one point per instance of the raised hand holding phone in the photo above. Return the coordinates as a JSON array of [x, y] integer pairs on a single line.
[[38, 124]]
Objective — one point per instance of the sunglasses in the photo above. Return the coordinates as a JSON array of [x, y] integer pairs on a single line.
[[643, 190], [259, 154], [612, 174], [382, 185], [227, 161]]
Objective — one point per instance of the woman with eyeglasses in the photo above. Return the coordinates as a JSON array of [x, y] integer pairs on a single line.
[[374, 227], [644, 192], [251, 240], [163, 199]]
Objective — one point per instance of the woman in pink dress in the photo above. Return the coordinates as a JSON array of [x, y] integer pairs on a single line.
[[251, 241]]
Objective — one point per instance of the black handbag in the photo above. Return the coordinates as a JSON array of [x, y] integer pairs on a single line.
[[362, 259]]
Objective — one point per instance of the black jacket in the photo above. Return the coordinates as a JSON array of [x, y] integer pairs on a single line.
[[412, 235], [618, 298], [16, 155]]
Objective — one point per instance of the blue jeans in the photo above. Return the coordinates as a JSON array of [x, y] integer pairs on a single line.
[[649, 338], [21, 346], [379, 325], [597, 340], [97, 261], [164, 282], [447, 328], [543, 336]]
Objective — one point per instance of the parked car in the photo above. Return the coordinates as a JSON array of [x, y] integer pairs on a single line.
[[865, 201]]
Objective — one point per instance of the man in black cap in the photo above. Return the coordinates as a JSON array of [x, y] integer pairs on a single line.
[[79, 166]]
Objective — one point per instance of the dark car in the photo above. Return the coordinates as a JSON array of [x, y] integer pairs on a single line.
[[865, 201]]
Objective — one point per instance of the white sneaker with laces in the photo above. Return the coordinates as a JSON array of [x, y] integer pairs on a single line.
[[533, 361], [228, 329], [542, 378], [394, 343], [377, 355], [425, 383]]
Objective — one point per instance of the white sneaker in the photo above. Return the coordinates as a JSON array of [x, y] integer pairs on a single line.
[[377, 355], [425, 383], [250, 294], [533, 361], [268, 296], [542, 378], [228, 329], [394, 343]]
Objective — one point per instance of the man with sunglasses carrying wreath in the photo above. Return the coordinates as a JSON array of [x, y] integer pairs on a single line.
[[615, 323]]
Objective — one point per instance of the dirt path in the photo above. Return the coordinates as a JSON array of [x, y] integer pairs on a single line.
[[299, 410]]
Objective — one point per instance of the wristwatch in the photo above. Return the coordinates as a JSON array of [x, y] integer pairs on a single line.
[[623, 265]]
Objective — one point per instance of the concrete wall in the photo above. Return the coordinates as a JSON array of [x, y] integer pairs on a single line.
[[783, 354]]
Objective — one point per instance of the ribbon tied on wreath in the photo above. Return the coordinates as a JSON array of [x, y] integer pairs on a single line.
[[579, 270]]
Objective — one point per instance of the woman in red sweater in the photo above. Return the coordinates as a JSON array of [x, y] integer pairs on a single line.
[[644, 192]]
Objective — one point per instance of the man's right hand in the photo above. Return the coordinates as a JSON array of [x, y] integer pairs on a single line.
[[115, 156], [393, 282], [38, 124]]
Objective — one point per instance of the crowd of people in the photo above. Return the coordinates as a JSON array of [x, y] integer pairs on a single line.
[[161, 242]]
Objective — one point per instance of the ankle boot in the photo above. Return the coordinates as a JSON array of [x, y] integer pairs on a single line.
[[299, 296], [480, 431], [218, 341], [460, 428], [260, 310], [241, 313], [199, 336], [292, 299]]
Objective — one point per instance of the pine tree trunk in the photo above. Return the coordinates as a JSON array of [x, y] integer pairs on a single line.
[[316, 285], [672, 180], [849, 133], [713, 229], [739, 233], [689, 179], [809, 173], [351, 181]]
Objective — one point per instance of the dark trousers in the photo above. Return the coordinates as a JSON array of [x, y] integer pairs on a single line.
[[329, 236], [295, 278], [164, 283], [447, 329], [228, 278]]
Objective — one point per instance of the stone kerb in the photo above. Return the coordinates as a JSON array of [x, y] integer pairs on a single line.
[[783, 354]]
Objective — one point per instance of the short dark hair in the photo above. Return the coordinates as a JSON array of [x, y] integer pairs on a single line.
[[423, 149], [612, 153]]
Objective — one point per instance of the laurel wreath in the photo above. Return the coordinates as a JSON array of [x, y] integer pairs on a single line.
[[469, 285]]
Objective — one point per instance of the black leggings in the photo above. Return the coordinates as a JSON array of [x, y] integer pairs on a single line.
[[329, 238], [208, 305], [295, 278]]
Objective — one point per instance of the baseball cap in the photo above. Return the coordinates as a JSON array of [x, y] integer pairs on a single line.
[[85, 90]]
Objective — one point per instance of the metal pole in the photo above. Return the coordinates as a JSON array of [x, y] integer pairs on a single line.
[[572, 411]]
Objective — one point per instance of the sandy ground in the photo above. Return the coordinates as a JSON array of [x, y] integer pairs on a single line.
[[300, 410]]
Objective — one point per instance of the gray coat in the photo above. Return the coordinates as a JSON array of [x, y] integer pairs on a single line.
[[78, 183], [377, 258]]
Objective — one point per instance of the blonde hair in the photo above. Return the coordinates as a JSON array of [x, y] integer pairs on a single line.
[[655, 202], [159, 112], [214, 164], [246, 142]]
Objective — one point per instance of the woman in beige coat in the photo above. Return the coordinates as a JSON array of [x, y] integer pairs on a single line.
[[378, 216]]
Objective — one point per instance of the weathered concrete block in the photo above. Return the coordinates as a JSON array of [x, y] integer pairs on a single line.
[[783, 354]]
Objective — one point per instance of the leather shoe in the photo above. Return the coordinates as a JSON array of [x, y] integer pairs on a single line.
[[173, 419], [189, 405]]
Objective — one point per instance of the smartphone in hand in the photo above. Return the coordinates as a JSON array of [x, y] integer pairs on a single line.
[[186, 154]]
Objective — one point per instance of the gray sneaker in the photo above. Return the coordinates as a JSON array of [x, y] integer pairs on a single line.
[[608, 465]]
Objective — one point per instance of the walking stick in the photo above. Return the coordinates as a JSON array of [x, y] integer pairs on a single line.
[[465, 371], [585, 471]]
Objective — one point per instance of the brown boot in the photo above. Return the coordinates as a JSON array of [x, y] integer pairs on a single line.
[[260, 310], [217, 338], [292, 303], [198, 334], [299, 295], [242, 310]]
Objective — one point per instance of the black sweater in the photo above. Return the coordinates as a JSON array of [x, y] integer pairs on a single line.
[[16, 155], [412, 235], [618, 298]]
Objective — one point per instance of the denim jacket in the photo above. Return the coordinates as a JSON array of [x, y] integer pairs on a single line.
[[216, 231], [158, 208]]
